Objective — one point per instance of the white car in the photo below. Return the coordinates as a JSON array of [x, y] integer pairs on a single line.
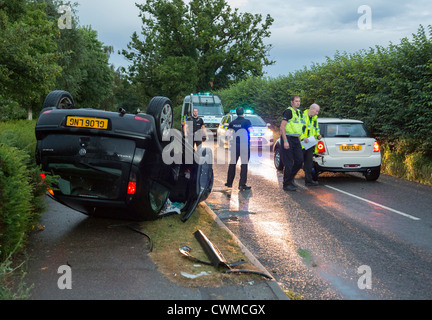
[[260, 135], [345, 147]]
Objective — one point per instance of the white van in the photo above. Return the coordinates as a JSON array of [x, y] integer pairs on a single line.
[[209, 109]]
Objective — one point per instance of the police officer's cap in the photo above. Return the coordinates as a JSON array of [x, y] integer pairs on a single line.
[[240, 111]]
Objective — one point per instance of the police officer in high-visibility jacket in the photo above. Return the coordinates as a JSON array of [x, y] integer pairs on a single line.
[[291, 129], [310, 129]]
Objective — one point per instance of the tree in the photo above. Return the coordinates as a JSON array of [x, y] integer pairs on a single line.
[[28, 53], [86, 72], [198, 46], [71, 46], [126, 95], [97, 82]]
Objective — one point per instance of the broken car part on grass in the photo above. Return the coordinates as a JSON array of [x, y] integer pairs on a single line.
[[217, 260]]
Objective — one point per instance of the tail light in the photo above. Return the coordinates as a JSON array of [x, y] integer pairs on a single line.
[[321, 147], [132, 185], [376, 147], [131, 188]]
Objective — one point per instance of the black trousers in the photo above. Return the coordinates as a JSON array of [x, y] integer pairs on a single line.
[[235, 155], [308, 163], [292, 159]]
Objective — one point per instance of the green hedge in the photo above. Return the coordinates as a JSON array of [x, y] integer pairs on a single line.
[[21, 188], [15, 200]]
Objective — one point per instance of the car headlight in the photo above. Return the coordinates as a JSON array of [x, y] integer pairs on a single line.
[[269, 133]]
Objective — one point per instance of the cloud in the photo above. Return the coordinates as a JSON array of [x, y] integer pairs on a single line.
[[302, 32], [312, 30], [115, 21]]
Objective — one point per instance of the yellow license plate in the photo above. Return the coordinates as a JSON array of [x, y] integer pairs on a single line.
[[84, 122], [350, 147]]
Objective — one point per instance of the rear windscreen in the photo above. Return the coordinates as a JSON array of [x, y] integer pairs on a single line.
[[100, 181], [88, 166], [342, 130]]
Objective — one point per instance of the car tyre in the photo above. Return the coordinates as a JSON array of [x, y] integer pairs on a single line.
[[162, 111], [278, 159], [372, 175], [59, 99]]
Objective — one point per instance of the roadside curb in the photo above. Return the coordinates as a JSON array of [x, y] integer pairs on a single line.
[[274, 286]]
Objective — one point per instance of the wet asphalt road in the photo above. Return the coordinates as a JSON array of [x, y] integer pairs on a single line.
[[345, 239]]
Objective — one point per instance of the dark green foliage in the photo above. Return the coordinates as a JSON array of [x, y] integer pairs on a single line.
[[21, 188], [37, 57], [28, 54], [15, 200], [195, 46]]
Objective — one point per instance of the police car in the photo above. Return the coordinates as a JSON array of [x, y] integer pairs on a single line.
[[111, 163], [345, 146], [260, 135]]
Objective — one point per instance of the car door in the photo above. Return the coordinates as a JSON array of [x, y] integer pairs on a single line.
[[201, 182], [192, 179]]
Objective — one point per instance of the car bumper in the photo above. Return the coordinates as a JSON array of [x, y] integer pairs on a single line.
[[213, 127], [326, 163]]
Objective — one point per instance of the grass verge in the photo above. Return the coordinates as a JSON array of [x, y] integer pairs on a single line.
[[170, 233]]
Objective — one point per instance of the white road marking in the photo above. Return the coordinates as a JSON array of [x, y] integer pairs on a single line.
[[374, 203]]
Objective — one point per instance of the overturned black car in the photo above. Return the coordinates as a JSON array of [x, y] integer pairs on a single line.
[[111, 164]]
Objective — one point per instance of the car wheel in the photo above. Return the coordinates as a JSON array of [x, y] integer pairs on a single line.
[[372, 175], [59, 99], [278, 159], [162, 111]]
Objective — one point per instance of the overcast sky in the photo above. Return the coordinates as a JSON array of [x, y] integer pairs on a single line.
[[303, 32]]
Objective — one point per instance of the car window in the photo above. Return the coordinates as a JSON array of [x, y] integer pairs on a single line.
[[158, 196], [87, 180], [209, 110], [343, 130], [256, 121]]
